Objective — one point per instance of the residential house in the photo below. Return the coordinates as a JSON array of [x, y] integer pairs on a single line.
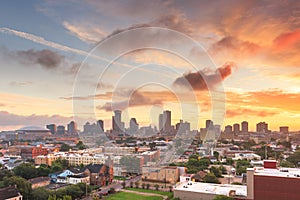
[[100, 174], [39, 182], [10, 193]]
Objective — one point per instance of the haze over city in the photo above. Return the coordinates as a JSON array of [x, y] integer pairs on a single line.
[[250, 50]]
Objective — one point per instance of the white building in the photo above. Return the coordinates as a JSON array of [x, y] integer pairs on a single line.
[[207, 191]]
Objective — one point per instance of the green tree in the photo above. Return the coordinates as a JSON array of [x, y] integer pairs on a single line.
[[40, 194], [147, 186], [222, 197], [295, 158], [65, 147], [286, 164], [74, 191], [210, 178], [26, 170], [156, 186], [80, 145], [216, 171], [223, 169], [241, 166], [23, 186]]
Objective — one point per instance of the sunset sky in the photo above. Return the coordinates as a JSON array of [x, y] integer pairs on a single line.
[[226, 60]]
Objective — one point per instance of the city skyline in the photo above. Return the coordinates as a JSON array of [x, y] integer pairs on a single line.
[[250, 51]]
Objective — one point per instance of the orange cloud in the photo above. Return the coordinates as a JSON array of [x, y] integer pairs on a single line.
[[286, 40], [247, 112]]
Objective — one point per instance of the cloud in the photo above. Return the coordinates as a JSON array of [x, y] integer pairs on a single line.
[[41, 40], [201, 80], [177, 22], [46, 58], [15, 83], [10, 119], [235, 46], [286, 40], [249, 112], [136, 99], [86, 33], [266, 99]]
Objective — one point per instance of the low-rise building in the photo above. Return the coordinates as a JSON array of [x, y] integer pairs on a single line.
[[39, 182], [168, 174], [208, 191], [270, 182], [99, 174], [10, 193]]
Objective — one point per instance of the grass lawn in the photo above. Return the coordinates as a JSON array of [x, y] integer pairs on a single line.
[[131, 196], [169, 194]]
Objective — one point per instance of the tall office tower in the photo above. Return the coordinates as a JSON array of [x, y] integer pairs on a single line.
[[52, 128], [61, 130], [133, 126], [72, 128], [167, 120], [245, 128], [87, 128], [236, 128], [100, 125], [228, 129], [183, 127], [262, 127], [209, 124], [116, 121], [161, 122]]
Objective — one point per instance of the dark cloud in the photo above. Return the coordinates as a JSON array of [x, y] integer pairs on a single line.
[[136, 99], [202, 79], [46, 58], [235, 46]]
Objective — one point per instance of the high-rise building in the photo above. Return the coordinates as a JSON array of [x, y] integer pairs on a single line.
[[72, 128], [117, 124], [52, 128], [183, 127], [228, 129], [100, 124], [236, 128], [61, 130], [284, 129], [167, 120], [209, 124], [133, 126], [245, 128], [161, 122], [262, 127]]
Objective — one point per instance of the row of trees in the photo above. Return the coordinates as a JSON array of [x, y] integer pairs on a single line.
[[28, 170], [73, 191]]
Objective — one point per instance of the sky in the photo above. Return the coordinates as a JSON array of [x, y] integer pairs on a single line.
[[229, 61]]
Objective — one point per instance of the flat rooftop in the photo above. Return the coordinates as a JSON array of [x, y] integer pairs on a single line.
[[210, 188], [280, 172]]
